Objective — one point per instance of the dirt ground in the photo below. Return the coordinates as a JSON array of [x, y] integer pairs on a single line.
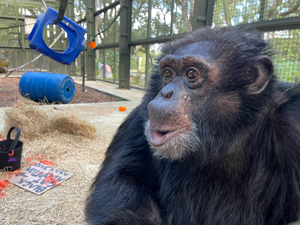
[[9, 93]]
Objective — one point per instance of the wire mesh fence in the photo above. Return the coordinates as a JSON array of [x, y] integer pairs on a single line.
[[287, 58], [284, 42]]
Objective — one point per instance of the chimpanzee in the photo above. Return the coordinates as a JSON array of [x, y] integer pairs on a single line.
[[215, 141]]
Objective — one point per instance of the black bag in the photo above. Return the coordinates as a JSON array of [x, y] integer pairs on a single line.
[[11, 151]]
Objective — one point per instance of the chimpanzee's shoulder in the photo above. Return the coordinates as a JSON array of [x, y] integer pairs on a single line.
[[291, 90], [287, 100]]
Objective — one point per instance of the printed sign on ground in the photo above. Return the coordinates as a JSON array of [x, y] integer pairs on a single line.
[[39, 178]]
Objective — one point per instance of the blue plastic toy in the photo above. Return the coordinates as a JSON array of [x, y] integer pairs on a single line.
[[75, 33], [53, 87]]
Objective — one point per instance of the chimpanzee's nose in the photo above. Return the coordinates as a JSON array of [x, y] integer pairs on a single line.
[[167, 95], [172, 91]]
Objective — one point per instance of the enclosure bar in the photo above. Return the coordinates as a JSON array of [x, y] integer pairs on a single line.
[[21, 56], [210, 12], [90, 33], [226, 12], [149, 18], [83, 68], [31, 3], [279, 24], [12, 18], [172, 17], [104, 39], [148, 36], [124, 47], [263, 10], [154, 40], [112, 45], [147, 75], [115, 51], [200, 14], [71, 15]]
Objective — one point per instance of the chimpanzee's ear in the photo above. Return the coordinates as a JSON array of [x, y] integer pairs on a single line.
[[264, 68]]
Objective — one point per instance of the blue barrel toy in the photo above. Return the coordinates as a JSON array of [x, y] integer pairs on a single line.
[[53, 87]]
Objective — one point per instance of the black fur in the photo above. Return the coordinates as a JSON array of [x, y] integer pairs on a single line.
[[247, 170]]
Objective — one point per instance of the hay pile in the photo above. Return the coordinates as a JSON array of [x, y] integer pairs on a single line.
[[72, 144], [35, 122]]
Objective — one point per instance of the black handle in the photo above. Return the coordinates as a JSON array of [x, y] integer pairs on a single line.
[[15, 141], [61, 12]]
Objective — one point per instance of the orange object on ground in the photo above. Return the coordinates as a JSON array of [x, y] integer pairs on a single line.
[[39, 156], [47, 162], [30, 158], [16, 172], [122, 108], [51, 179], [3, 184], [32, 164]]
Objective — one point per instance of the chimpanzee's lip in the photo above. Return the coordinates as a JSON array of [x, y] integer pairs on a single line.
[[158, 138]]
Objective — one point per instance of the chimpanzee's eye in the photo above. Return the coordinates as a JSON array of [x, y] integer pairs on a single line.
[[191, 73], [167, 73]]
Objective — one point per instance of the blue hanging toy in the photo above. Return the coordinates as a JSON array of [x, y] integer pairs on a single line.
[[75, 33]]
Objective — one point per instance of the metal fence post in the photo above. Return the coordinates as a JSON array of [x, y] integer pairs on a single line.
[[124, 48], [203, 13], [90, 33]]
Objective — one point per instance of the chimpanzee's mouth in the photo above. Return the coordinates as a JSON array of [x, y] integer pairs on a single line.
[[162, 132], [158, 138]]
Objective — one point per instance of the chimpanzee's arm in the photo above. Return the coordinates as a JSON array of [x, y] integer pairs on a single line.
[[123, 190]]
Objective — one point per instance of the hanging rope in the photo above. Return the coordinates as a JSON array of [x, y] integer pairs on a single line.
[[36, 58], [111, 23], [44, 5], [18, 30], [21, 25]]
